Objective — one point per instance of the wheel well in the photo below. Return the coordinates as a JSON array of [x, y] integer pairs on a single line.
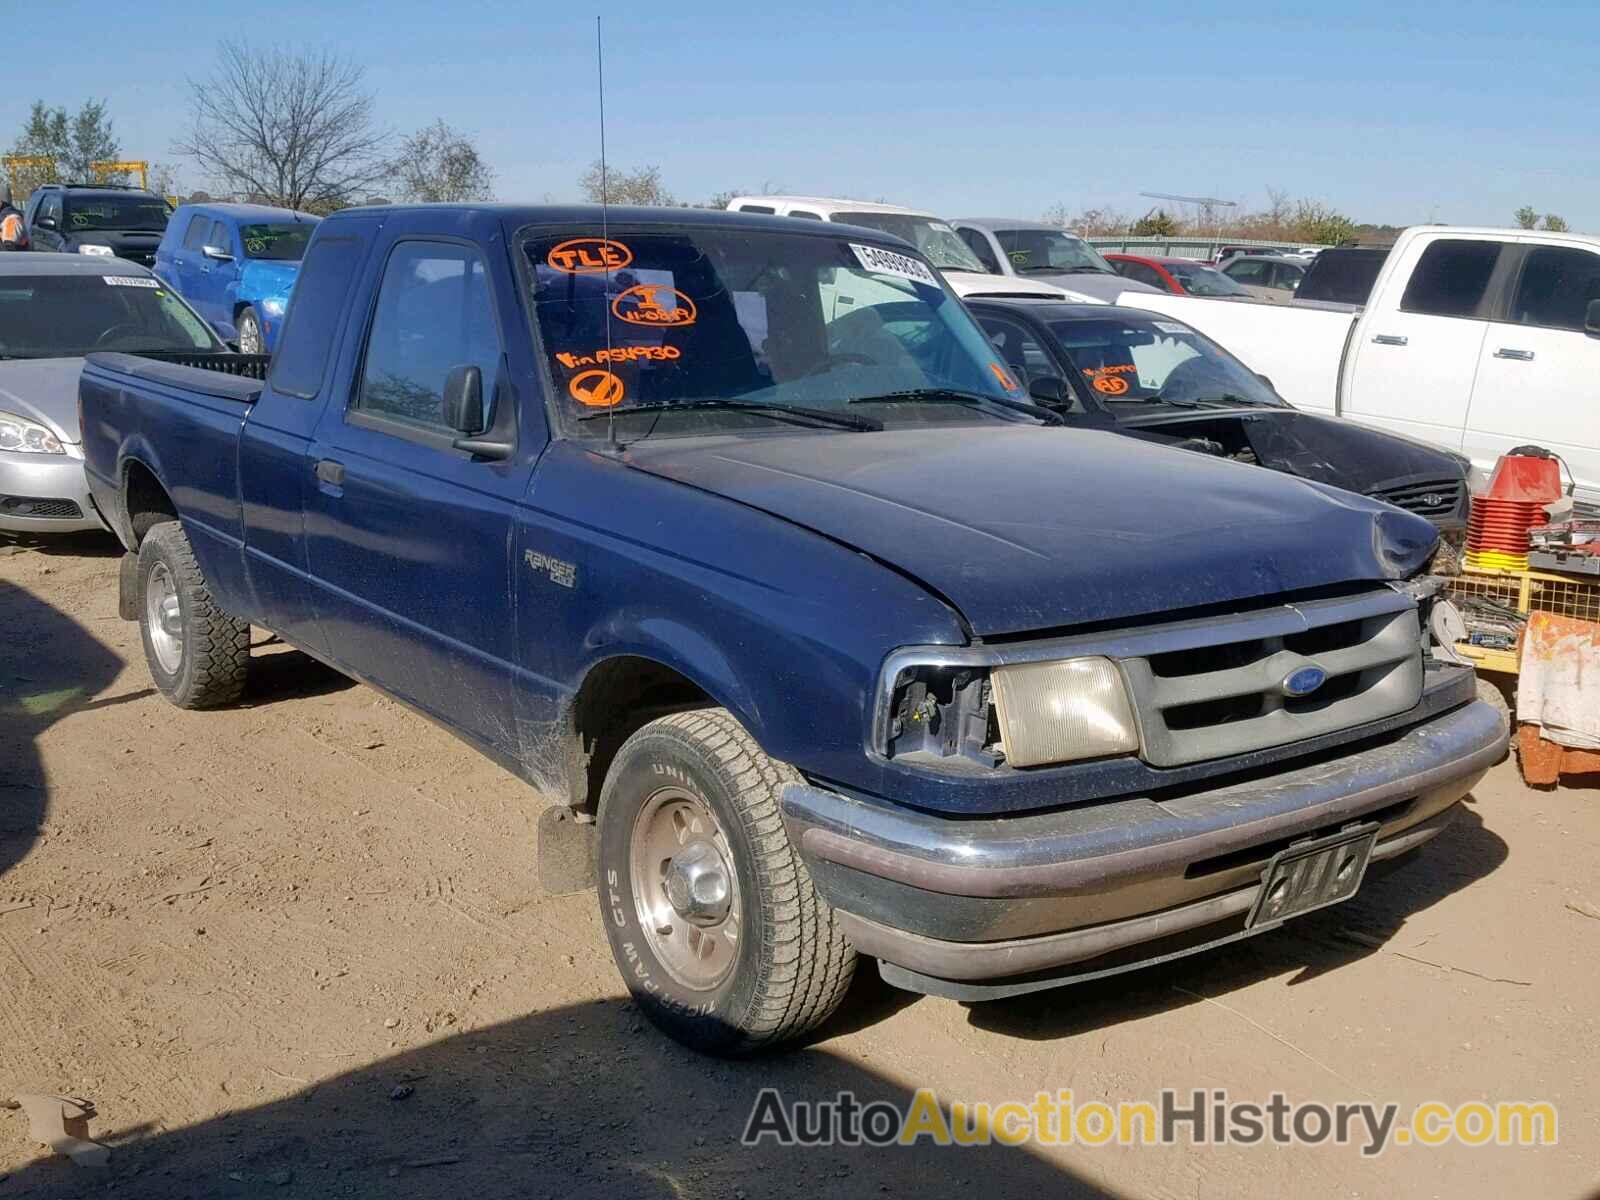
[[618, 698], [147, 501]]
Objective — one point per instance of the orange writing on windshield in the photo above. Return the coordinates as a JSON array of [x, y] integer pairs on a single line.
[[588, 255], [596, 389], [1006, 381], [646, 304]]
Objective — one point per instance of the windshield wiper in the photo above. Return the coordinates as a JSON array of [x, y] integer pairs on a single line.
[[842, 420], [936, 395], [1225, 400]]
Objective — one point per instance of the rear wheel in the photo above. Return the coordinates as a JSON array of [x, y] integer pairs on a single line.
[[249, 326], [712, 917], [198, 655]]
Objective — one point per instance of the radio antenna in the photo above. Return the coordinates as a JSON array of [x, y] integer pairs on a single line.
[[605, 232]]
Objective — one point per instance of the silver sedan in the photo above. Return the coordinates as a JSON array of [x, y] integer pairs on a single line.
[[55, 309]]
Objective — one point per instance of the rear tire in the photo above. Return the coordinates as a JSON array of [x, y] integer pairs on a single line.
[[198, 655], [249, 327], [712, 916]]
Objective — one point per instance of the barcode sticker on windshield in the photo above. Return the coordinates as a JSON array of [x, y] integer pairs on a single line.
[[131, 281], [887, 262], [1169, 327]]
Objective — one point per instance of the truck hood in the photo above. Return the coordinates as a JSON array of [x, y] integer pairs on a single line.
[[43, 390], [262, 280], [1025, 529]]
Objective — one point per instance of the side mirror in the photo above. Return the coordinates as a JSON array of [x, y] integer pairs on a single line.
[[217, 253], [463, 400], [1591, 319], [45, 222], [1048, 390], [1267, 379]]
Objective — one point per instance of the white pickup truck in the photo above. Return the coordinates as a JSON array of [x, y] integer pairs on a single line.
[[1474, 339]]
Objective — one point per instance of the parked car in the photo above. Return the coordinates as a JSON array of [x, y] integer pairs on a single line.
[[1224, 253], [100, 219], [1342, 275], [236, 263], [1033, 250], [933, 237], [837, 644], [54, 309], [1272, 277], [1478, 340], [1154, 377], [1179, 276]]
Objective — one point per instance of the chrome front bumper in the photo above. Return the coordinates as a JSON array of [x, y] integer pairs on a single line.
[[983, 907], [26, 478]]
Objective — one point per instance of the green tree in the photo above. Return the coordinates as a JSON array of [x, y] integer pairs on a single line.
[[1554, 224], [616, 185], [74, 141], [1314, 222], [1526, 217], [442, 165], [1158, 223]]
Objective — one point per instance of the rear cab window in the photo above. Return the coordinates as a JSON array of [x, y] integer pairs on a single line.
[[1556, 286], [316, 315]]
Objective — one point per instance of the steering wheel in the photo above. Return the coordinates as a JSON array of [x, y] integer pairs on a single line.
[[126, 327], [834, 360]]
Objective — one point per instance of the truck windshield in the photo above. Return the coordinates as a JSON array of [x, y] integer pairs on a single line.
[[735, 328], [1050, 250], [940, 243], [277, 243], [1154, 360], [87, 214], [66, 316]]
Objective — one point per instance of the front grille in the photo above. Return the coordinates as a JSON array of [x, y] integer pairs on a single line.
[[1433, 498], [1219, 687], [43, 509]]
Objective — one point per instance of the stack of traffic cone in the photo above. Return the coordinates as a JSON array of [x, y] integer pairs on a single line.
[[1497, 531]]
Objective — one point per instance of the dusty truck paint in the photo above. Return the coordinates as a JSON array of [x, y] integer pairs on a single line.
[[621, 509]]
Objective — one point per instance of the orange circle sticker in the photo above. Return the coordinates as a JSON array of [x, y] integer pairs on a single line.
[[646, 304], [1111, 385], [588, 256], [596, 389]]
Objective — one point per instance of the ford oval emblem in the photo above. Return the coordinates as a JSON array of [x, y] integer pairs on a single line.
[[1303, 682]]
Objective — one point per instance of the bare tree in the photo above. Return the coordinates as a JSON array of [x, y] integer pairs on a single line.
[[640, 186], [442, 165], [290, 128]]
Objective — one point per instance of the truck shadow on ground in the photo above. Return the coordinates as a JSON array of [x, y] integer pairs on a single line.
[[1312, 945], [50, 667], [581, 1101], [280, 672], [66, 545]]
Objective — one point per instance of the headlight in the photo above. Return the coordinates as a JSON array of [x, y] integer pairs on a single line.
[[1062, 711], [22, 436], [1477, 479], [103, 250], [273, 307], [957, 705]]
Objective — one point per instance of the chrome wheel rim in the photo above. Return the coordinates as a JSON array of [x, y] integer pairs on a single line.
[[685, 891], [249, 336], [164, 618]]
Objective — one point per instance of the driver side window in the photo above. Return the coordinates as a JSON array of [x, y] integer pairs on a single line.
[[979, 245], [1023, 353]]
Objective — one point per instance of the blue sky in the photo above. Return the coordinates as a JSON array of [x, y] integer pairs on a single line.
[[1390, 111]]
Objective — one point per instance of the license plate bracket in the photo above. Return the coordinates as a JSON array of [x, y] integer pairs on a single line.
[[1312, 875]]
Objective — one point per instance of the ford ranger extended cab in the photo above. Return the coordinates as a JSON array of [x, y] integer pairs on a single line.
[[818, 636], [1478, 340]]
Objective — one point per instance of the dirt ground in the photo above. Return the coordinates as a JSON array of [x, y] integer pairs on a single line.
[[297, 949]]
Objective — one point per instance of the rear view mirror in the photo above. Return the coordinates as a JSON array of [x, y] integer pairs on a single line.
[[463, 400], [1048, 390], [1591, 319]]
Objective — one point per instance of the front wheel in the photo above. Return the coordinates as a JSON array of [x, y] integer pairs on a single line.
[[249, 326], [711, 914], [198, 655]]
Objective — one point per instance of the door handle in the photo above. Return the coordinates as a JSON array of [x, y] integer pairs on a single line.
[[330, 472], [1515, 355], [1389, 339]]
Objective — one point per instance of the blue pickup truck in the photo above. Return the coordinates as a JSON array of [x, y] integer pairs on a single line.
[[735, 539]]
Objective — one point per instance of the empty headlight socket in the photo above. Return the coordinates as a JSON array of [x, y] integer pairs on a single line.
[[945, 712]]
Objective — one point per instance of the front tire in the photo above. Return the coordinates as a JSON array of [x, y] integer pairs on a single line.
[[249, 327], [712, 916], [198, 655]]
